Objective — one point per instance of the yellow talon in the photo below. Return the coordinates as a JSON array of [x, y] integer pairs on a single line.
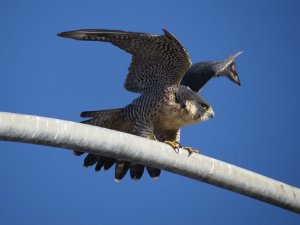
[[190, 150], [176, 145], [173, 144]]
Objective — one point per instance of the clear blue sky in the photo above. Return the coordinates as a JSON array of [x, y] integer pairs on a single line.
[[256, 125]]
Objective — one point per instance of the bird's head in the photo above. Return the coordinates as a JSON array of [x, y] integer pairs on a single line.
[[198, 108], [228, 68], [194, 108], [204, 110]]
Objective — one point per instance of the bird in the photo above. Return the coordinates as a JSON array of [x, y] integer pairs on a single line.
[[158, 65], [195, 78]]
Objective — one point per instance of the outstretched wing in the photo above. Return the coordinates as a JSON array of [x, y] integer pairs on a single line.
[[158, 61]]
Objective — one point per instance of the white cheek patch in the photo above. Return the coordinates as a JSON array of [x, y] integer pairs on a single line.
[[204, 117], [191, 107]]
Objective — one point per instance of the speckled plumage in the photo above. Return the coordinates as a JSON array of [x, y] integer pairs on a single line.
[[158, 65], [161, 116], [158, 61]]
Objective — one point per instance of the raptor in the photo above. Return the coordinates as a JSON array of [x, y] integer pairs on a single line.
[[158, 65]]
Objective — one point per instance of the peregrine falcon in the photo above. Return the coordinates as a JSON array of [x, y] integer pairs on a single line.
[[195, 78], [158, 65]]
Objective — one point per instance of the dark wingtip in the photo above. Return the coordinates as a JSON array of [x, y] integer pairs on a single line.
[[153, 172], [169, 34], [90, 160], [232, 57], [121, 169], [165, 30], [62, 34], [98, 166], [233, 75], [68, 34], [238, 53], [136, 171], [237, 81]]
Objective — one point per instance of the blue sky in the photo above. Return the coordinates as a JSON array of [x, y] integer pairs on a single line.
[[256, 125]]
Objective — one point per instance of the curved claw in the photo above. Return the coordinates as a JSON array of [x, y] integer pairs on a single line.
[[174, 145], [190, 150]]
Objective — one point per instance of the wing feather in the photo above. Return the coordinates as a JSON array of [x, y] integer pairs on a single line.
[[158, 61]]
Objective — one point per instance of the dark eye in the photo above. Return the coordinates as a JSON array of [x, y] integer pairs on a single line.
[[204, 106]]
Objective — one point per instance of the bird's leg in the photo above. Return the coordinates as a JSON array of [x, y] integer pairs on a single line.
[[152, 137], [174, 144], [190, 150]]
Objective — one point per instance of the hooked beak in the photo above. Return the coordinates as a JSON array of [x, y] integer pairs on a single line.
[[210, 113]]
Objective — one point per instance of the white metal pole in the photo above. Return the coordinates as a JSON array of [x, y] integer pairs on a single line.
[[97, 140]]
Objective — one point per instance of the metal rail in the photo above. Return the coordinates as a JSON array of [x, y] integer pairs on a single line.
[[97, 140]]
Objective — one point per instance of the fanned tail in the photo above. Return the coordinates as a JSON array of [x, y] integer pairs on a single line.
[[113, 119]]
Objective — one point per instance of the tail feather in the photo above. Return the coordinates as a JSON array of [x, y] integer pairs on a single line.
[[113, 119], [98, 166], [90, 160], [101, 113], [104, 162], [108, 163], [121, 169], [153, 172], [78, 153], [136, 171]]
